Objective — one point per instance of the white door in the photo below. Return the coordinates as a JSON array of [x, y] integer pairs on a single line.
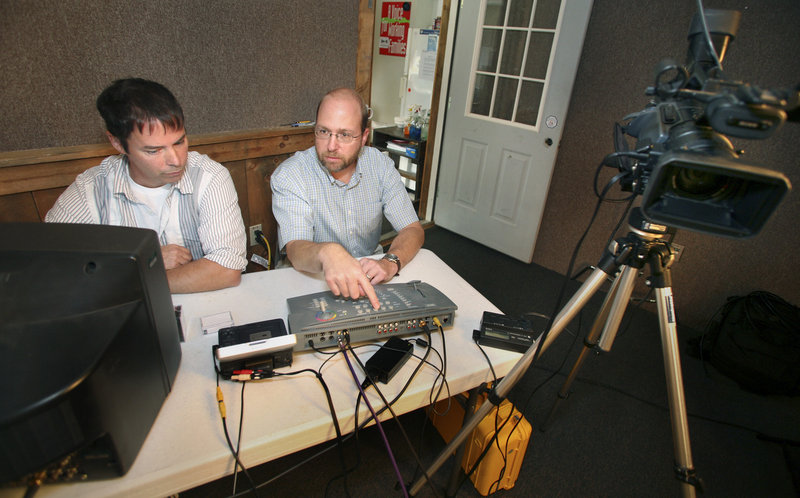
[[513, 67]]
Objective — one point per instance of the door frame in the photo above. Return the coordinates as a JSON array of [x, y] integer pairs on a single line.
[[366, 29]]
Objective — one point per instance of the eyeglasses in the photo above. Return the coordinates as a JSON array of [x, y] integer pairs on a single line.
[[345, 137]]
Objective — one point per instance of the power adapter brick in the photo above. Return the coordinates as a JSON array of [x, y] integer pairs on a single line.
[[386, 361]]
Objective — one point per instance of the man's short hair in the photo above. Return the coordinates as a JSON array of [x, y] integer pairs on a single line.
[[366, 112], [135, 101]]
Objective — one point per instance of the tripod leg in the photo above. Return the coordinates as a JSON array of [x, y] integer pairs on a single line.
[[606, 322], [684, 467], [570, 310]]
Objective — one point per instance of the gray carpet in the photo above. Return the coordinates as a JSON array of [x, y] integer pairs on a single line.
[[610, 437]]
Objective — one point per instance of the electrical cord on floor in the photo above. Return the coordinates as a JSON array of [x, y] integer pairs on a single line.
[[601, 197], [339, 437], [375, 417], [357, 426], [387, 406], [654, 404]]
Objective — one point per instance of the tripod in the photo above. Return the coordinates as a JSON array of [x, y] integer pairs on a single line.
[[643, 245]]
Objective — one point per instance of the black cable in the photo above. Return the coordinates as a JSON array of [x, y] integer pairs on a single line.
[[600, 199], [485, 451], [496, 429], [31, 489], [339, 439], [503, 451], [653, 404], [223, 416], [441, 373], [423, 360], [444, 360], [375, 417], [342, 439], [394, 415], [405, 386], [262, 239], [239, 438], [488, 361]]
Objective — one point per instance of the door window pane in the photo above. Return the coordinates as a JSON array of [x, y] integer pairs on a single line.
[[529, 100], [495, 13], [513, 57], [490, 49], [520, 13], [513, 50], [482, 94], [505, 99], [546, 16], [538, 55]]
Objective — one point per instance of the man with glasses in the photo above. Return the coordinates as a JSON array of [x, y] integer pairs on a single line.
[[330, 199]]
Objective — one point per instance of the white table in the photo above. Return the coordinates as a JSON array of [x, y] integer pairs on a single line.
[[186, 446]]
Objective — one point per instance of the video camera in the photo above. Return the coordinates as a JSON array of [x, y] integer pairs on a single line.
[[684, 166]]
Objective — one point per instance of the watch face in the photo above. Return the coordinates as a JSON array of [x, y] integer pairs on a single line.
[[393, 258]]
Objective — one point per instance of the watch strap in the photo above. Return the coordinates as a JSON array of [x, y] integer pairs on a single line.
[[394, 259]]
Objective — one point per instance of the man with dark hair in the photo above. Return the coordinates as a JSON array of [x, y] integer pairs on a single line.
[[155, 182], [330, 199]]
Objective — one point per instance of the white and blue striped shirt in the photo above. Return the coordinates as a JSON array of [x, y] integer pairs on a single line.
[[309, 204], [201, 211]]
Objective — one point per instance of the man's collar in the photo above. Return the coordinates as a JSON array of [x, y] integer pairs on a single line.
[[123, 175]]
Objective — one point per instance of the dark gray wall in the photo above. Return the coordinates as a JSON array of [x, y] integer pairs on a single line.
[[233, 64], [238, 65], [624, 41]]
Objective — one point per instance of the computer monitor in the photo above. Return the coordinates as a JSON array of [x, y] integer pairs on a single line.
[[89, 348]]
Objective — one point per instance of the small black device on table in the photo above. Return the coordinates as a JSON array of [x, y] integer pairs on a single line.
[[504, 332]]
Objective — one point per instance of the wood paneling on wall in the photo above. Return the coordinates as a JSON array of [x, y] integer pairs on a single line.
[[32, 180]]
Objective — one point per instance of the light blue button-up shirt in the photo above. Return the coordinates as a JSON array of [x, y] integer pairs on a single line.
[[309, 204]]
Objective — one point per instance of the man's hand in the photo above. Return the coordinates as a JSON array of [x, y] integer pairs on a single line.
[[378, 270], [175, 256], [343, 273], [345, 276]]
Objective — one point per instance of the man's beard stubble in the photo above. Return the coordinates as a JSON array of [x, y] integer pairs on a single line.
[[346, 163]]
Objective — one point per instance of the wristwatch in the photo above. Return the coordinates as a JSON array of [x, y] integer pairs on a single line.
[[394, 259]]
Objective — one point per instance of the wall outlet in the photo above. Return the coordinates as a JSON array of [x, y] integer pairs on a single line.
[[252, 232]]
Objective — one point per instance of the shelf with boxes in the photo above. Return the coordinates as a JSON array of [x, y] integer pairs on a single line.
[[408, 156]]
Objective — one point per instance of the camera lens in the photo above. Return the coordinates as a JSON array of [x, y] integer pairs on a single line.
[[702, 185]]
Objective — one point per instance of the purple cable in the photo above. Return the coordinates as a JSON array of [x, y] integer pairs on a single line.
[[377, 422]]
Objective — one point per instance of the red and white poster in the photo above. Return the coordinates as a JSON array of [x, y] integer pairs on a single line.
[[395, 17]]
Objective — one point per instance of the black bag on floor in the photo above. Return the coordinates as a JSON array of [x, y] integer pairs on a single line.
[[755, 340]]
